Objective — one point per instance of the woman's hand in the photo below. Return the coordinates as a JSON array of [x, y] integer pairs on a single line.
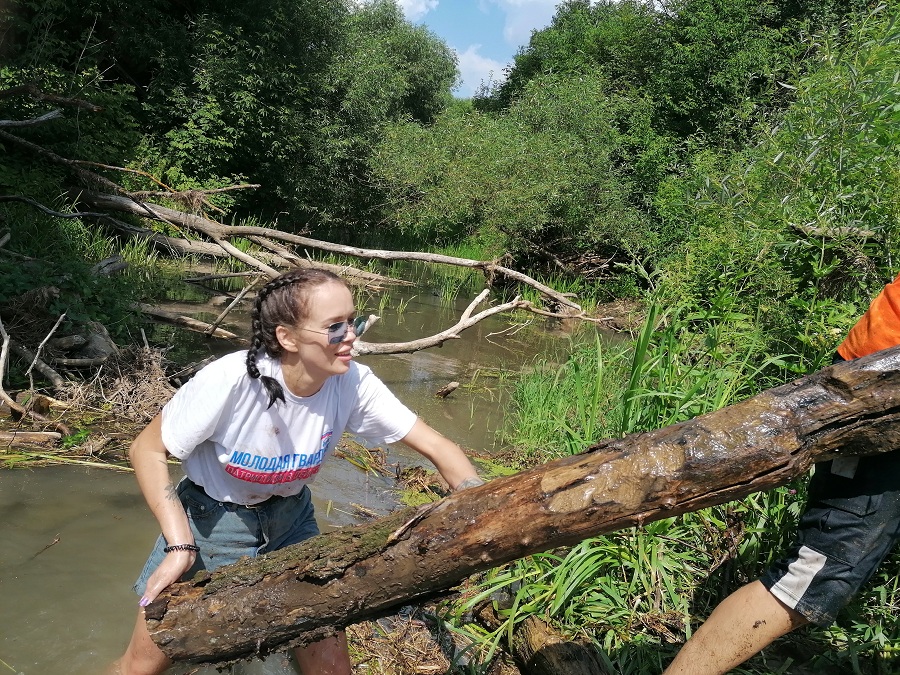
[[148, 457], [172, 568], [447, 456]]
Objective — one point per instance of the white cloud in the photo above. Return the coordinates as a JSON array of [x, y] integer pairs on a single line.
[[475, 69], [524, 16], [414, 10]]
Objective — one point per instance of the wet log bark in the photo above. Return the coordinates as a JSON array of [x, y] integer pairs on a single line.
[[304, 592], [538, 649]]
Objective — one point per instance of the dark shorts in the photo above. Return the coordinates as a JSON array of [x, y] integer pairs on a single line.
[[851, 523], [226, 532]]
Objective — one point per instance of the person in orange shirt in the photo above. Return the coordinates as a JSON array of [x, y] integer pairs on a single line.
[[850, 524]]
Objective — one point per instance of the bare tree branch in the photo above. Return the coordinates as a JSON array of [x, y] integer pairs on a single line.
[[43, 342], [46, 117], [466, 321], [88, 177], [212, 228], [51, 212], [237, 299], [4, 356], [187, 322]]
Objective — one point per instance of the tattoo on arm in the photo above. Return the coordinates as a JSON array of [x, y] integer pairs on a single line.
[[171, 492]]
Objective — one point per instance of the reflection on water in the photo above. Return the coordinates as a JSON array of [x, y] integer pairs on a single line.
[[68, 609]]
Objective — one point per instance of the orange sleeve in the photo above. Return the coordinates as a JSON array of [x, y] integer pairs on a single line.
[[879, 327]]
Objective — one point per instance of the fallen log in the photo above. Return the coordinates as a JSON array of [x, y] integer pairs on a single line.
[[305, 592], [188, 322], [220, 231], [538, 649], [32, 437]]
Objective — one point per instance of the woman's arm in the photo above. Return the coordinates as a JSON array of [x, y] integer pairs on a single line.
[[446, 455], [148, 457]]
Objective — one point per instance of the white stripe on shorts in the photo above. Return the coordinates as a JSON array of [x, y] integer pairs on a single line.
[[791, 587]]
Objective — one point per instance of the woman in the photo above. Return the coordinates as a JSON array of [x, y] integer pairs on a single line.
[[252, 429]]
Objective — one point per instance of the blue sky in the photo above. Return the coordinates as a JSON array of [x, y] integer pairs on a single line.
[[485, 34]]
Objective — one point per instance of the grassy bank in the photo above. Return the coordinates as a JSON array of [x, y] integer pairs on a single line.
[[639, 593]]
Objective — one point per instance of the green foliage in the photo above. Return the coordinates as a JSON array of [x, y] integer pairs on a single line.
[[539, 175], [719, 63], [619, 38], [682, 364], [291, 96], [802, 229]]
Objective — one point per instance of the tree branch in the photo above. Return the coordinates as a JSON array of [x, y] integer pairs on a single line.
[[212, 228], [466, 321], [46, 117]]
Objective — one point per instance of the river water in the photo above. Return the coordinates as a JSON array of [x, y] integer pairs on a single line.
[[66, 608]]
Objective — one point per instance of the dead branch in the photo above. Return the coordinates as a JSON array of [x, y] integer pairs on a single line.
[[187, 373], [37, 353], [467, 320], [49, 211], [57, 380], [833, 232], [109, 266], [166, 243], [215, 324], [80, 363], [46, 117], [33, 437], [4, 357], [193, 199], [217, 230], [13, 405], [88, 177], [214, 277], [187, 322], [447, 389], [203, 248]]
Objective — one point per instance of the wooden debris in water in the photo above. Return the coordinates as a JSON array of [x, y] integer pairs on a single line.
[[447, 389], [30, 437]]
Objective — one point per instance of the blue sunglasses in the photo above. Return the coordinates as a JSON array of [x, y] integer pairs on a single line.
[[337, 332]]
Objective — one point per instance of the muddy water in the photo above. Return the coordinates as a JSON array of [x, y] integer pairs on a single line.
[[67, 607]]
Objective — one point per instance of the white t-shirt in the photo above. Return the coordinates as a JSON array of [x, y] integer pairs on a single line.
[[240, 451]]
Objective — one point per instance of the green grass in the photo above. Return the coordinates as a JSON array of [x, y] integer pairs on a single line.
[[639, 593]]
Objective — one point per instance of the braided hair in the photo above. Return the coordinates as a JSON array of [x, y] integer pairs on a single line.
[[281, 302]]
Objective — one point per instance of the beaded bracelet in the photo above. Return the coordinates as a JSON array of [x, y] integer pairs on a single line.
[[181, 547]]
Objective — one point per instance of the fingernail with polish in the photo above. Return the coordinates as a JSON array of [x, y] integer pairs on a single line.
[[144, 602]]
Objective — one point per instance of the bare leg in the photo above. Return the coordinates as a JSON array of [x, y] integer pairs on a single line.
[[142, 657], [745, 622], [325, 657]]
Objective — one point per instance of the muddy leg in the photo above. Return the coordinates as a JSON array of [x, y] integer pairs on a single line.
[[744, 623], [142, 657], [325, 657]]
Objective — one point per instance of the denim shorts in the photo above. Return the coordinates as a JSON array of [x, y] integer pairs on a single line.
[[850, 524], [226, 532]]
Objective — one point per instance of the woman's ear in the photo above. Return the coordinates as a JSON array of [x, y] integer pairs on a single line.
[[287, 338]]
